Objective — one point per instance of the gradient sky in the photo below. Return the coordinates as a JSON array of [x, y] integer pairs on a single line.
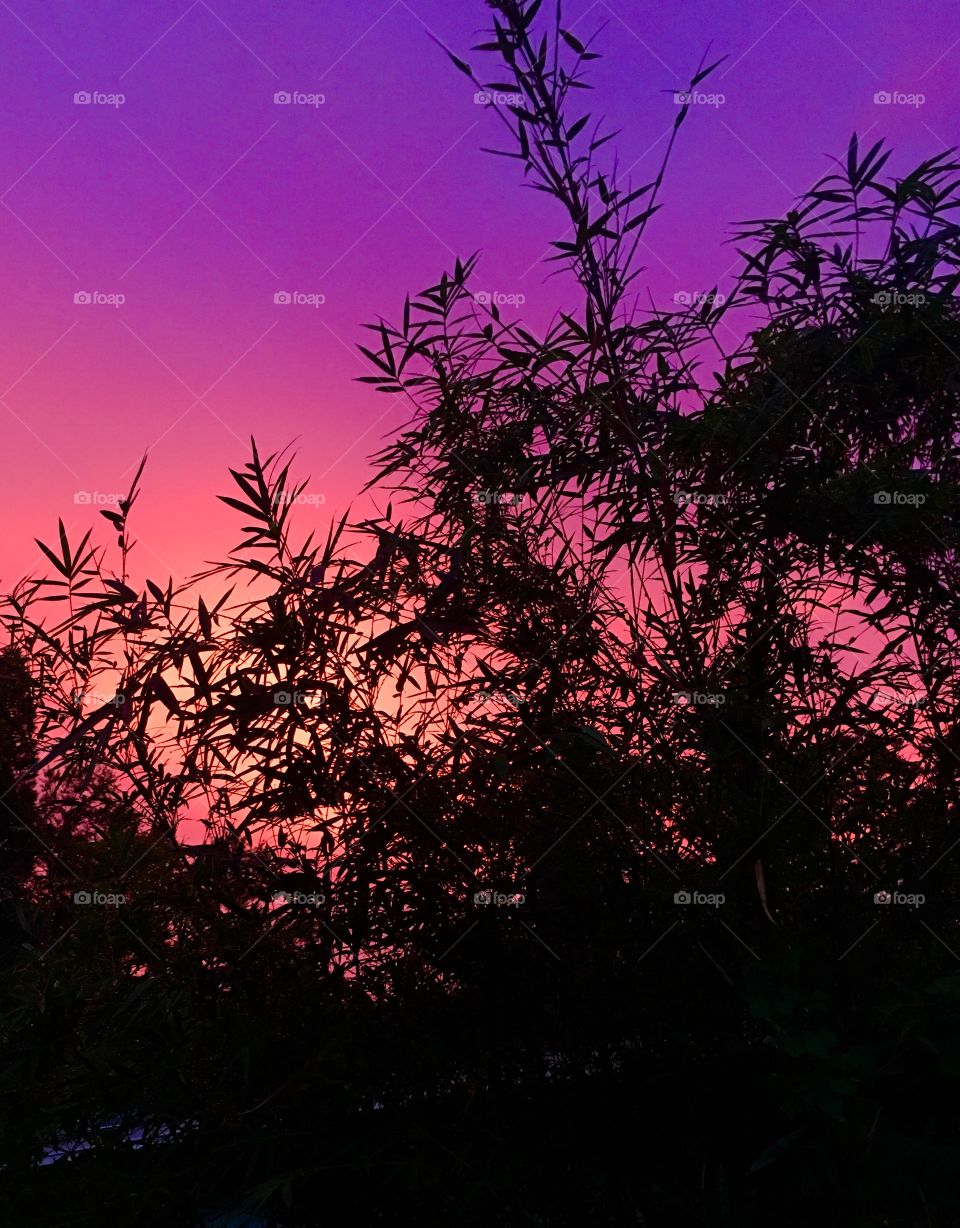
[[198, 199]]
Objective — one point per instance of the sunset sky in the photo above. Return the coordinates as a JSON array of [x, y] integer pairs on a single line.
[[198, 198]]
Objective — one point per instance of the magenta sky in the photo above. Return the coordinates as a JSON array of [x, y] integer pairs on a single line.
[[198, 199]]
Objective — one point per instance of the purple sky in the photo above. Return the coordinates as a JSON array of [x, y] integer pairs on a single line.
[[198, 199]]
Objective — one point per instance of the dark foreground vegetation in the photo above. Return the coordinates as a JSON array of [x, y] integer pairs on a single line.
[[580, 834]]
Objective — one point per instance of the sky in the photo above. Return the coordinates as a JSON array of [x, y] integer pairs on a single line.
[[157, 199]]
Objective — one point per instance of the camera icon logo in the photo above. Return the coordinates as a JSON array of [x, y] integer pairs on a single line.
[[82, 897], [282, 297], [282, 98], [282, 698], [682, 897], [882, 897], [482, 297], [883, 497], [483, 897], [82, 297], [82, 98], [882, 98]]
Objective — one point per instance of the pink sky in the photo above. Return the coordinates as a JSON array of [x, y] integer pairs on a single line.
[[360, 199]]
